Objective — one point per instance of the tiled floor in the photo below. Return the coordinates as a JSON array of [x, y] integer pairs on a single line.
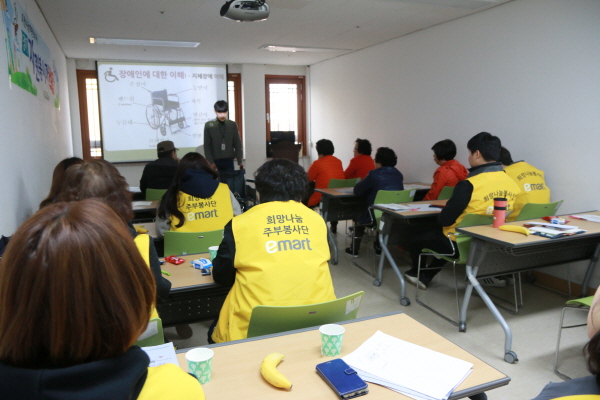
[[534, 328]]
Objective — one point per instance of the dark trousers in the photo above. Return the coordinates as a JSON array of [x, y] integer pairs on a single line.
[[432, 239], [224, 164]]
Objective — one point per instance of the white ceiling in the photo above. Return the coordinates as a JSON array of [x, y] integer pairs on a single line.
[[334, 24]]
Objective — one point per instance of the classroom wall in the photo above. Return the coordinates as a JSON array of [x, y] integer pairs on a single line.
[[526, 71], [35, 135]]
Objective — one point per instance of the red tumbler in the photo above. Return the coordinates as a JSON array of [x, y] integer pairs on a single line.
[[499, 211]]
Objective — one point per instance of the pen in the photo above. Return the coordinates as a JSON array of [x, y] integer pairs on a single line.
[[165, 272], [574, 216]]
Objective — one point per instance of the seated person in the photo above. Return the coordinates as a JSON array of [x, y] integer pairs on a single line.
[[159, 173], [472, 195], [587, 387], [449, 172], [195, 201], [530, 180], [362, 162], [325, 168], [384, 177], [57, 178], [86, 303], [275, 254], [100, 180]]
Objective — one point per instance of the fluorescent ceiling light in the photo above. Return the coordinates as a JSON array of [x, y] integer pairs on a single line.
[[467, 4], [293, 49], [134, 42]]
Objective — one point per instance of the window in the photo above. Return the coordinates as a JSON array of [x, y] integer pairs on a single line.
[[91, 139], [286, 110]]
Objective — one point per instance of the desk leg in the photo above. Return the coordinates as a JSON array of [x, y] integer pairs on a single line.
[[405, 301], [330, 237], [477, 253], [589, 271]]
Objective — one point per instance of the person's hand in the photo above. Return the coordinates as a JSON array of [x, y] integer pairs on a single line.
[[213, 166], [241, 166]]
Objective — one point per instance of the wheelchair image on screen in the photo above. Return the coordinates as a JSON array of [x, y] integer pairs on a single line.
[[164, 111]]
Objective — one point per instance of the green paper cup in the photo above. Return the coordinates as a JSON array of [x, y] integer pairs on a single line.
[[331, 339], [200, 363], [213, 252]]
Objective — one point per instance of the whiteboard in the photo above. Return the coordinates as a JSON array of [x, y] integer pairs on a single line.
[[142, 104]]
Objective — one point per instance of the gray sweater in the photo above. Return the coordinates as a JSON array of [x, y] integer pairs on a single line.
[[217, 133]]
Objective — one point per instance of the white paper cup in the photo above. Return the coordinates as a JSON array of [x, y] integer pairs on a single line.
[[200, 363], [332, 336], [213, 252]]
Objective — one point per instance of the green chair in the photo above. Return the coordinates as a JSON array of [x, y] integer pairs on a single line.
[[272, 319], [182, 243], [538, 210], [582, 304], [446, 193], [463, 242], [155, 194], [153, 335], [391, 196], [342, 183]]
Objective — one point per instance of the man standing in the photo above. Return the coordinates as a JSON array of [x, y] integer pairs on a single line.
[[159, 173], [222, 140]]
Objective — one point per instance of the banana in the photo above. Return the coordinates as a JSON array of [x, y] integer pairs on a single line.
[[515, 228], [268, 369]]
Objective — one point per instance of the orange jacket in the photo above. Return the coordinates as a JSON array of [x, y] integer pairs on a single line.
[[359, 167], [448, 174], [320, 172]]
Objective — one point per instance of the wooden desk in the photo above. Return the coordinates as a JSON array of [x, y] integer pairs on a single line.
[[193, 296], [495, 252], [236, 365], [386, 228]]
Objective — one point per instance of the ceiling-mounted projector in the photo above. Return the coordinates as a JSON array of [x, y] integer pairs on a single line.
[[245, 10]]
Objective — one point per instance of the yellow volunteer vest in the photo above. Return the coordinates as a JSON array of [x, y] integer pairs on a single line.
[[486, 187], [202, 215], [143, 244], [281, 260], [532, 184], [169, 382]]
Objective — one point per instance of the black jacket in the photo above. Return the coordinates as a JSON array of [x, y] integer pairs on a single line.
[[384, 178], [158, 174]]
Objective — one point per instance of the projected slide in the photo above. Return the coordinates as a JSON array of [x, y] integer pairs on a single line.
[[142, 104]]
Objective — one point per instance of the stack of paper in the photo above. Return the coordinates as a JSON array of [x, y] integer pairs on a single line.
[[161, 354], [345, 190], [553, 230], [412, 370], [589, 217], [409, 186], [395, 207]]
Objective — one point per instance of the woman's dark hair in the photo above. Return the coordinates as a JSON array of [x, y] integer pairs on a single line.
[[281, 180], [592, 348], [58, 177], [325, 147], [169, 205], [487, 144], [386, 157], [73, 288], [505, 156], [363, 147], [97, 179], [444, 150]]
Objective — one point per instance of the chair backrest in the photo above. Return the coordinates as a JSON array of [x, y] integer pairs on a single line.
[[155, 194], [271, 319], [286, 149], [538, 210], [181, 243], [341, 183], [391, 196], [464, 242], [446, 193], [153, 335]]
